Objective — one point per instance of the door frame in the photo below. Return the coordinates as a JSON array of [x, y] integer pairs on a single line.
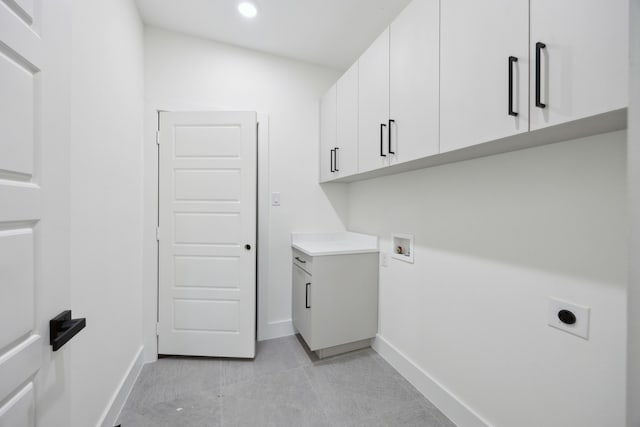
[[151, 277]]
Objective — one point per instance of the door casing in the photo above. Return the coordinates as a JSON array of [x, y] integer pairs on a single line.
[[151, 278]]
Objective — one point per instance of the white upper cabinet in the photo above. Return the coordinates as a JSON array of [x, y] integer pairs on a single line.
[[414, 67], [583, 59], [328, 135], [483, 90], [346, 153], [373, 105], [451, 74]]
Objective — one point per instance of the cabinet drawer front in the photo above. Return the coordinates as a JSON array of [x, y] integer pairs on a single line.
[[303, 261]]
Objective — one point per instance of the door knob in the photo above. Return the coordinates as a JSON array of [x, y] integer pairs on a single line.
[[247, 247]]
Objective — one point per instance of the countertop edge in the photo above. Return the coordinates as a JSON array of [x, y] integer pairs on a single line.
[[340, 252]]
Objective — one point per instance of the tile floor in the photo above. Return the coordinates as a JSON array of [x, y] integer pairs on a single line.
[[285, 385]]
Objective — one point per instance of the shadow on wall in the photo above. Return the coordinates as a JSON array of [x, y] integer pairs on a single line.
[[558, 208], [337, 194]]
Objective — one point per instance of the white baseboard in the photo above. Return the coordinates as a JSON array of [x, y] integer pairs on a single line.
[[119, 398], [450, 404], [280, 328]]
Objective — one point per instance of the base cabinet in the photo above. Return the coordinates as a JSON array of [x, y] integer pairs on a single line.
[[335, 299]]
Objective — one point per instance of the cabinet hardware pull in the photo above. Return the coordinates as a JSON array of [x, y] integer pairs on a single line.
[[306, 296], [382, 126], [539, 47], [331, 160], [512, 60], [335, 159], [301, 260], [390, 121]]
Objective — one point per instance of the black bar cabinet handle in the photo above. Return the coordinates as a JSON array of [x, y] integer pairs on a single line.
[[539, 47], [331, 160], [382, 126], [335, 159], [389, 142], [301, 260], [306, 296], [512, 60]]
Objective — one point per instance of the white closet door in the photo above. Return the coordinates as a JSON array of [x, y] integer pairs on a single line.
[[208, 163], [584, 65], [373, 105], [477, 39], [34, 210], [414, 69]]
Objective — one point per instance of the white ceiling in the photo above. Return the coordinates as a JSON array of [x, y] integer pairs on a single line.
[[327, 32]]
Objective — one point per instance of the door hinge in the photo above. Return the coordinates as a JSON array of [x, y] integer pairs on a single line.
[[158, 234], [158, 137], [157, 329]]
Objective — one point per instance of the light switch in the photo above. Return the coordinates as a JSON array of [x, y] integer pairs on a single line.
[[275, 199]]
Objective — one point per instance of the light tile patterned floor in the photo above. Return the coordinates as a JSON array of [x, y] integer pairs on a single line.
[[285, 386]]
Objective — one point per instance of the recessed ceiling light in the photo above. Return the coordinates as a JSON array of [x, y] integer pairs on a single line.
[[248, 10]]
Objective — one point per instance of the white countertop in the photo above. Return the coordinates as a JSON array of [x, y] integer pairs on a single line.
[[318, 244]]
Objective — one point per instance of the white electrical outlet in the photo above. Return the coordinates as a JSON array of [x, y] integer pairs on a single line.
[[569, 317], [384, 259]]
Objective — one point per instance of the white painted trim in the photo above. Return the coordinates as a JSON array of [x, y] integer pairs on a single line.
[[277, 329], [450, 404], [119, 398], [263, 226]]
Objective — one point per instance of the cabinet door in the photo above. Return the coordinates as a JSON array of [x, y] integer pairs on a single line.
[[584, 64], [414, 82], [327, 133], [373, 105], [477, 40], [301, 300], [346, 157]]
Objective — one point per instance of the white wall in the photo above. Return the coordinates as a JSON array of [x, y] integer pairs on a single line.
[[186, 73], [106, 200], [633, 397], [494, 238]]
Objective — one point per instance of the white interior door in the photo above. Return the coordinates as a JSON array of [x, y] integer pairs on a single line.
[[34, 216], [207, 233]]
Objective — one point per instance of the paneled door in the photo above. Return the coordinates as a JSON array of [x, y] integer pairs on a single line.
[[34, 210], [207, 233]]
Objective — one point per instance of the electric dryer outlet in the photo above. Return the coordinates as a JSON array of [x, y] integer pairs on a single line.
[[569, 317]]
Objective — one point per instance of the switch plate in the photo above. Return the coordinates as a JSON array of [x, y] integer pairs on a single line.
[[580, 328], [384, 259], [275, 199]]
